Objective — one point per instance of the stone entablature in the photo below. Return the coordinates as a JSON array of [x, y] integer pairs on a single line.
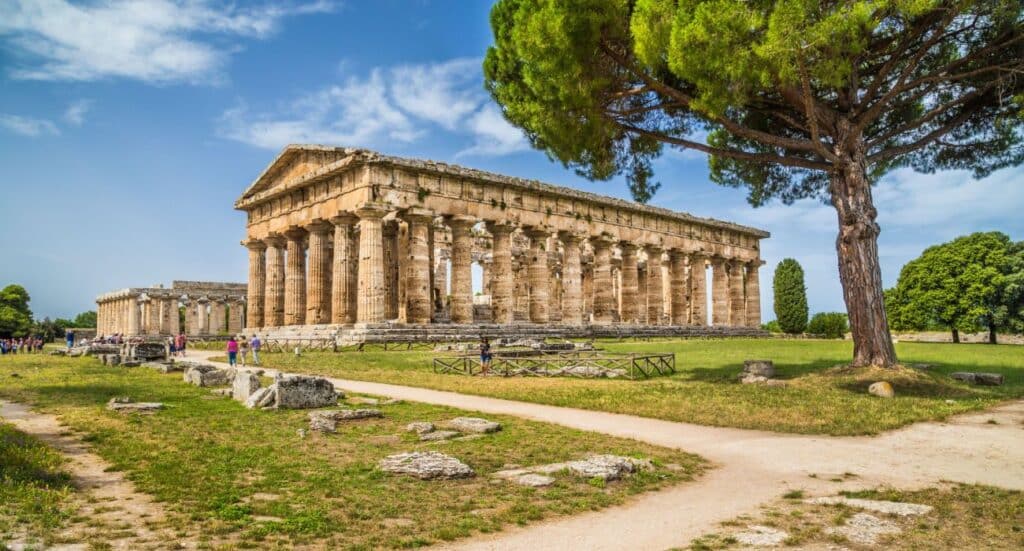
[[211, 308], [338, 235]]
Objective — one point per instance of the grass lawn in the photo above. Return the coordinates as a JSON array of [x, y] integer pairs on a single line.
[[34, 491], [704, 390], [964, 517], [244, 477]]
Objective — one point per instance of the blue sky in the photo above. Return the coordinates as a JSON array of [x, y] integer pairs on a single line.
[[127, 130]]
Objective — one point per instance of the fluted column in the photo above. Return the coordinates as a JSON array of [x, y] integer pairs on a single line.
[[719, 292], [170, 323], [462, 268], [133, 316], [753, 294], [737, 302], [202, 316], [630, 285], [218, 316], [655, 289], [318, 281], [572, 279], [698, 290], [153, 316], [295, 278], [273, 305], [235, 310], [389, 239], [604, 306], [641, 293], [537, 273], [502, 277], [441, 281], [677, 284], [344, 276], [257, 282], [417, 276], [371, 305]]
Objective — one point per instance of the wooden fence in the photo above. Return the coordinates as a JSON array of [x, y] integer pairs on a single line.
[[584, 365]]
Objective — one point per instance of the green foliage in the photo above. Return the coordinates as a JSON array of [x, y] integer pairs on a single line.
[[85, 319], [790, 297], [772, 326], [15, 315], [831, 325], [971, 283]]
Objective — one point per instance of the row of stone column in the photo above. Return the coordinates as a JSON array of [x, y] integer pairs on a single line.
[[141, 315], [357, 274]]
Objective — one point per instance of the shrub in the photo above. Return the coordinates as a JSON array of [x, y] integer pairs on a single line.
[[831, 325], [772, 326], [790, 296]]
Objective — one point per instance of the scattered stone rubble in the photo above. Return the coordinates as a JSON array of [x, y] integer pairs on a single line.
[[865, 529], [208, 375], [127, 405], [985, 379], [473, 425], [327, 421], [420, 427], [426, 466], [885, 507], [438, 435], [760, 371], [761, 536], [882, 389], [604, 467], [295, 392]]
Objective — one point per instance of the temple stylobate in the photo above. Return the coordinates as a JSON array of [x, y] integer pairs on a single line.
[[349, 236]]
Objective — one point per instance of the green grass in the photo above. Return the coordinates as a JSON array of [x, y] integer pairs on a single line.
[[249, 478], [34, 490], [818, 400], [964, 517]]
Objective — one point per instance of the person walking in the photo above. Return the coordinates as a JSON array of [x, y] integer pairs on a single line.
[[69, 338], [181, 343], [243, 349], [232, 352], [485, 356], [255, 344]]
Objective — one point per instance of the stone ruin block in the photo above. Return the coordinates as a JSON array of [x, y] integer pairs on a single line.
[[302, 392], [986, 379], [473, 425], [262, 398], [426, 466], [127, 405], [208, 375], [759, 368], [245, 384], [149, 351], [164, 367], [327, 421]]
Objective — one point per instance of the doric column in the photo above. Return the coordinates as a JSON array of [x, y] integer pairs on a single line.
[[133, 316], [235, 310], [417, 276], [169, 321], [191, 319], [202, 316], [572, 279], [371, 305], [630, 285], [502, 307], [698, 290], [737, 302], [677, 284], [655, 290], [257, 281], [719, 292], [641, 293], [753, 294], [218, 316], [273, 305], [153, 316], [318, 285], [441, 280], [389, 240], [344, 276], [521, 281], [462, 268], [295, 278], [604, 306], [538, 274]]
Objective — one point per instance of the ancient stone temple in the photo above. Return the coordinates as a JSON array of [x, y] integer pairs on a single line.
[[345, 237], [211, 308]]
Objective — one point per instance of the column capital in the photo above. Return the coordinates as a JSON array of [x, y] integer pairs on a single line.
[[417, 214], [318, 225], [295, 233], [275, 240], [344, 219], [502, 226], [254, 244], [602, 241], [460, 221], [373, 210], [653, 248], [755, 263], [628, 245], [676, 253], [569, 237]]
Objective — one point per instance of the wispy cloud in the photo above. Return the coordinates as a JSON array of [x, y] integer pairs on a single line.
[[28, 126], [75, 113], [389, 104], [156, 41]]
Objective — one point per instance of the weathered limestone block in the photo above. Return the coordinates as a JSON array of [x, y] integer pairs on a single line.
[[987, 379], [262, 398], [606, 467], [208, 375], [149, 351], [882, 389], [762, 368], [327, 421], [164, 367], [420, 427], [534, 480], [473, 425], [127, 405], [761, 536], [434, 436], [865, 529], [426, 466], [302, 392], [244, 385]]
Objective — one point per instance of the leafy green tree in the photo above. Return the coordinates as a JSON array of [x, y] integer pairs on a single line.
[[85, 319], [15, 315], [791, 99], [790, 297], [970, 283], [831, 325]]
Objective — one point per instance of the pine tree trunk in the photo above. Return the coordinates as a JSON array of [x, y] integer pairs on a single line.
[[956, 335], [859, 271], [992, 334]]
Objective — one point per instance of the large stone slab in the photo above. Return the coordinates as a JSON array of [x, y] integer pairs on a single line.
[[127, 405], [886, 507], [302, 392], [426, 466], [262, 398], [759, 368], [244, 385], [605, 467], [986, 379], [473, 425], [327, 421], [208, 375]]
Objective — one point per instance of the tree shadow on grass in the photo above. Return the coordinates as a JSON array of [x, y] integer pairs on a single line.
[[729, 373], [87, 394], [20, 463]]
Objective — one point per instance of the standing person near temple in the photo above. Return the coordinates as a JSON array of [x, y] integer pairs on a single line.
[[69, 338], [256, 344], [181, 343], [232, 352], [243, 349], [485, 356]]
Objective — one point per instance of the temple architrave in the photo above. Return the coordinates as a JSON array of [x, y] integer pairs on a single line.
[[211, 308], [352, 238]]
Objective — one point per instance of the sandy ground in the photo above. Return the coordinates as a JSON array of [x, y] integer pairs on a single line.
[[116, 513]]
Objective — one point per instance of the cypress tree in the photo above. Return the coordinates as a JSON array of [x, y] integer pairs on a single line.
[[790, 297]]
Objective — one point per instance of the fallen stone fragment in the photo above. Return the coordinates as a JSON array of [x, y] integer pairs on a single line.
[[511, 473], [886, 507], [221, 392], [127, 405], [302, 392], [426, 465], [605, 467], [261, 397], [761, 536], [327, 421], [420, 427], [882, 389], [865, 529], [760, 368], [244, 385], [534, 480], [434, 436], [473, 425], [163, 367], [986, 379], [752, 379], [208, 375], [131, 363]]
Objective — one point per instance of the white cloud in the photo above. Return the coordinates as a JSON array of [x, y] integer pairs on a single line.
[[28, 126], [397, 104], [75, 113], [156, 41]]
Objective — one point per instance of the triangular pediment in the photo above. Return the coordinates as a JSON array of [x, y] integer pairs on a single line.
[[294, 162]]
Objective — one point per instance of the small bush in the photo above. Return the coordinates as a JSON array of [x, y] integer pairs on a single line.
[[831, 325], [772, 326]]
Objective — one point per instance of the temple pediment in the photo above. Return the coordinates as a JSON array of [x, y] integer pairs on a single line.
[[293, 163]]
